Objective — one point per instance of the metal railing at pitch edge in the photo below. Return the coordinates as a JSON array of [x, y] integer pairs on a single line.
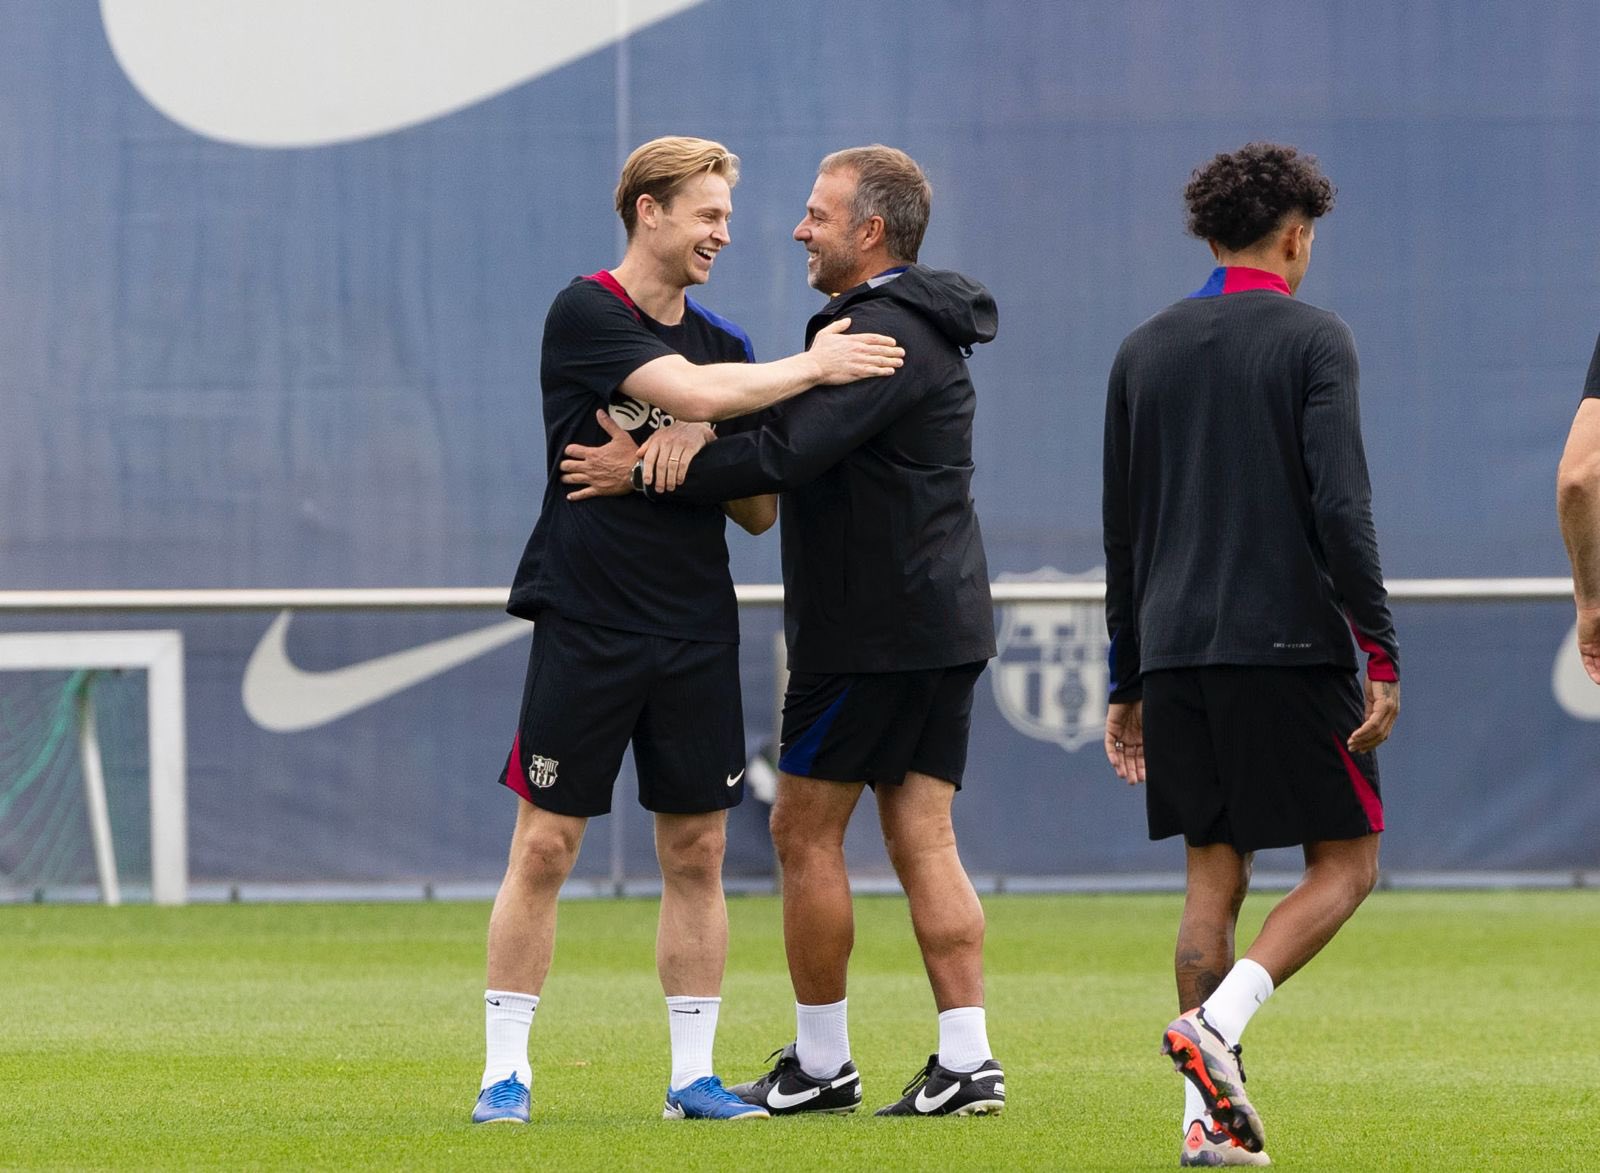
[[619, 883], [1404, 590]]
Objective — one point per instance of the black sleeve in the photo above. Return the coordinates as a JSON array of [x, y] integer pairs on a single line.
[[746, 423], [807, 435], [1122, 623], [594, 340], [1341, 494], [1591, 385]]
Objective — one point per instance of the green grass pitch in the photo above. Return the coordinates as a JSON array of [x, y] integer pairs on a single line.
[[1439, 1031]]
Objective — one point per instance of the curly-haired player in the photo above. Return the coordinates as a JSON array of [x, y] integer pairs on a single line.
[[1241, 559]]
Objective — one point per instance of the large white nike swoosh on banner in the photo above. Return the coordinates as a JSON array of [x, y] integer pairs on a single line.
[[284, 698], [1575, 692], [302, 73]]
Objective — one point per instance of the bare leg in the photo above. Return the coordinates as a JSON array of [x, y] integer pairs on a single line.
[[808, 825], [1338, 877], [1219, 878], [522, 927], [945, 912], [692, 934]]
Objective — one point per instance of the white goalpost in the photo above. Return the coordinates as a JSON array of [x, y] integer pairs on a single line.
[[160, 655]]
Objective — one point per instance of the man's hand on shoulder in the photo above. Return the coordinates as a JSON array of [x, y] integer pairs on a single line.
[[605, 471], [847, 358], [667, 453]]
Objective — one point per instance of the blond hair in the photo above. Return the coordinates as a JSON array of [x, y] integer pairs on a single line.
[[659, 167], [891, 185]]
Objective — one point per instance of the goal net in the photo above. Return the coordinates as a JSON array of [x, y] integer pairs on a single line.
[[91, 767]]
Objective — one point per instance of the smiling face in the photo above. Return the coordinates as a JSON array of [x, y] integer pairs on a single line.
[[833, 254], [688, 231]]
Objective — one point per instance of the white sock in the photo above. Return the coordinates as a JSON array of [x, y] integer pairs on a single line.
[[507, 1018], [1194, 1107], [822, 1038], [693, 1023], [963, 1039], [1240, 995]]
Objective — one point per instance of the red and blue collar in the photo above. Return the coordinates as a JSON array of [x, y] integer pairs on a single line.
[[1239, 279]]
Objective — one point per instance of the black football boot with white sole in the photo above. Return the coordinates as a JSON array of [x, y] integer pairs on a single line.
[[937, 1091], [787, 1090]]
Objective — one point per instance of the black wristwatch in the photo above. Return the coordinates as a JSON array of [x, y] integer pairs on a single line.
[[636, 478]]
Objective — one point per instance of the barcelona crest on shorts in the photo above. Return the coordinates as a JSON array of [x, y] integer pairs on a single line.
[[542, 772]]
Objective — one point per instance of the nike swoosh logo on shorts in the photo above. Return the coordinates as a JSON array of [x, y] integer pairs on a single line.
[[282, 697], [777, 1099], [734, 779], [927, 1103], [390, 64]]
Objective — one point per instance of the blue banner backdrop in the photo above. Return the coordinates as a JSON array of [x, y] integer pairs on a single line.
[[237, 358]]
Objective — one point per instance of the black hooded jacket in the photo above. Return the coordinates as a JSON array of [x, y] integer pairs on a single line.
[[883, 564]]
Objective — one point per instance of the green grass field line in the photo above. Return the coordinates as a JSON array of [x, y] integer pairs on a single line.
[[1440, 1031]]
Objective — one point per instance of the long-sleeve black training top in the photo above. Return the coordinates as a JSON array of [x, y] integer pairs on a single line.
[[1237, 509], [883, 562]]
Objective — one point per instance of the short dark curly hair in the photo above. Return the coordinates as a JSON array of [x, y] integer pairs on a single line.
[[1236, 199]]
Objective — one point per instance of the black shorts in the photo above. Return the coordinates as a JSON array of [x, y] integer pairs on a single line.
[[875, 727], [591, 690], [1255, 757]]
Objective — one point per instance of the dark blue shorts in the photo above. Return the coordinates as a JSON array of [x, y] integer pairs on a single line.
[[590, 691], [1255, 757], [875, 727]]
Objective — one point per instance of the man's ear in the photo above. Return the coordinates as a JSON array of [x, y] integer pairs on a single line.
[[1296, 239], [872, 233], [647, 210]]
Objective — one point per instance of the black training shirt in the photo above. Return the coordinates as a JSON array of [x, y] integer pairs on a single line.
[[619, 561], [883, 561], [1237, 510]]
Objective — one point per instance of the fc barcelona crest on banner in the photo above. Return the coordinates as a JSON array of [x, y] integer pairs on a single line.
[[1050, 676], [542, 772]]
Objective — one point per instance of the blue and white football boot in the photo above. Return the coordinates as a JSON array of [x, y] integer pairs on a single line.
[[506, 1102], [707, 1099]]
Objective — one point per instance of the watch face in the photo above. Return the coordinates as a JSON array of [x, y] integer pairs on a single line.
[[637, 477]]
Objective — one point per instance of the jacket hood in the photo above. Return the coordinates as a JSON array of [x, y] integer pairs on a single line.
[[963, 310]]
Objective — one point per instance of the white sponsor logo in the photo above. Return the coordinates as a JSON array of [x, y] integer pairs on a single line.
[[1050, 676], [733, 779], [542, 774], [631, 414], [1573, 689], [927, 1103], [777, 1099], [301, 73], [282, 697]]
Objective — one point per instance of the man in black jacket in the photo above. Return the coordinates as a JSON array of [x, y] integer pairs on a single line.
[[1241, 560], [889, 624]]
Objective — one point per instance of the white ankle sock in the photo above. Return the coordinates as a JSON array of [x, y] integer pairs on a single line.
[[822, 1038], [1240, 995], [963, 1039], [507, 1017], [1194, 1107], [693, 1023]]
